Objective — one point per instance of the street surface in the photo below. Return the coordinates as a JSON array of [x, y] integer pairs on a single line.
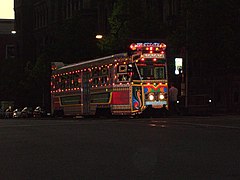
[[150, 148]]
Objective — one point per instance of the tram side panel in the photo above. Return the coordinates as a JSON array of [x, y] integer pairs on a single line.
[[120, 102]]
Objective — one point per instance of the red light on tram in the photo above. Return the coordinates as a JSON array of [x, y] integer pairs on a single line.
[[163, 46], [142, 59], [162, 52], [154, 59], [133, 47], [151, 52]]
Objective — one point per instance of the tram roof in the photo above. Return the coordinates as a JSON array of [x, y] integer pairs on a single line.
[[93, 62]]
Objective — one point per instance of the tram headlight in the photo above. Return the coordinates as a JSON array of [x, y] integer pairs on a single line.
[[151, 97], [161, 97]]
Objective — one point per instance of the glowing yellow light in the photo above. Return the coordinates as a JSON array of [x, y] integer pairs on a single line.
[[99, 36], [161, 96], [151, 97]]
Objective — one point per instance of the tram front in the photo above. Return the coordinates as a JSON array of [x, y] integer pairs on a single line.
[[149, 79]]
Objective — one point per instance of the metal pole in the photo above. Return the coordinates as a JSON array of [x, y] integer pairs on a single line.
[[186, 60]]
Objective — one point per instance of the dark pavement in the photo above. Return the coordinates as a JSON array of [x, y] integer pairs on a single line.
[[156, 148]]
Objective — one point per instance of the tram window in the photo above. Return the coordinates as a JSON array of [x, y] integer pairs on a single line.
[[95, 81], [236, 97], [159, 73], [104, 71], [146, 72], [123, 77], [70, 100], [122, 68], [95, 72], [104, 80], [71, 81], [135, 73], [57, 83], [75, 80]]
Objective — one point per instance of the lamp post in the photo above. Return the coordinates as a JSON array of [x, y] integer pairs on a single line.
[[99, 37], [186, 59]]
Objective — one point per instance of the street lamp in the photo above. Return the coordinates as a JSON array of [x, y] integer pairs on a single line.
[[99, 36]]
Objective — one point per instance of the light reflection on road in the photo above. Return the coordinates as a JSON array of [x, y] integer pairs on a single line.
[[155, 123]]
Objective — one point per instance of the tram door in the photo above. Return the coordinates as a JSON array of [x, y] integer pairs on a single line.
[[86, 93]]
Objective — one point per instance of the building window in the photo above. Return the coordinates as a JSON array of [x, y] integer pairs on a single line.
[[236, 97], [71, 7], [18, 21], [53, 11], [86, 4], [40, 16], [10, 52], [238, 16], [68, 9], [173, 6]]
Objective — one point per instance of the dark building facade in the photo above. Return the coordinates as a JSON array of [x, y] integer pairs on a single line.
[[7, 39], [38, 22], [40, 25]]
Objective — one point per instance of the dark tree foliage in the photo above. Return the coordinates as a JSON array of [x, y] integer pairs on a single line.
[[34, 83], [132, 21], [74, 40], [210, 32], [10, 73]]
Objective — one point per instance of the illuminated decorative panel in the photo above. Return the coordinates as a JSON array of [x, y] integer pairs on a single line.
[[120, 97], [154, 55]]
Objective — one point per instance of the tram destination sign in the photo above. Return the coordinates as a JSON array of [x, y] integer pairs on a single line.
[[154, 55]]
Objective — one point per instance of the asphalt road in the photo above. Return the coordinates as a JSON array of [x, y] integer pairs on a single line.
[[155, 148]]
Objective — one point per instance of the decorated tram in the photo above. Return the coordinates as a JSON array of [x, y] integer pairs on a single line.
[[120, 84]]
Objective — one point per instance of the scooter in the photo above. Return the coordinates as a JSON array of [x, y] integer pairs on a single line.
[[38, 112]]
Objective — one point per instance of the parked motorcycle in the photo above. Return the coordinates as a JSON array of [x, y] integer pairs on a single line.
[[17, 113], [9, 112], [38, 112], [26, 112]]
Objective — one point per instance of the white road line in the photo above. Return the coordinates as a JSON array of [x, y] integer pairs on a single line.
[[37, 125], [209, 125]]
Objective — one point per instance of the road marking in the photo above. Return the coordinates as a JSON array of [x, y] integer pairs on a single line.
[[57, 123], [209, 125], [36, 125], [152, 123]]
